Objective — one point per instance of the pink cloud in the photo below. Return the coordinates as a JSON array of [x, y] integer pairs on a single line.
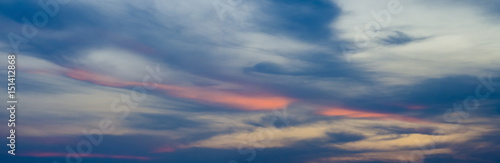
[[97, 78], [264, 101], [415, 107], [351, 113], [164, 150], [54, 154], [366, 114]]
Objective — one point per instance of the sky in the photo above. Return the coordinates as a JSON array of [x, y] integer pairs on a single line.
[[251, 81]]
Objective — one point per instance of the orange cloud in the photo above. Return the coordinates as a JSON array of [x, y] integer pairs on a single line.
[[226, 98], [365, 114], [351, 113], [248, 102]]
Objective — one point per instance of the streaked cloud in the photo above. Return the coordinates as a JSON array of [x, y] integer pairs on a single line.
[[271, 77]]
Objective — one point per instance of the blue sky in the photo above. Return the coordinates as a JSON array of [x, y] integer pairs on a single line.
[[254, 80]]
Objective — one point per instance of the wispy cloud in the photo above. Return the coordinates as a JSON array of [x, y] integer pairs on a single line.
[[221, 79]]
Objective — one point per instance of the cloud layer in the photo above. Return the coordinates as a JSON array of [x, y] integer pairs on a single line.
[[257, 81]]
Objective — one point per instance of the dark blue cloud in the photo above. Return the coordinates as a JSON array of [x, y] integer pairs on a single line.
[[344, 137], [306, 20], [399, 38], [161, 122]]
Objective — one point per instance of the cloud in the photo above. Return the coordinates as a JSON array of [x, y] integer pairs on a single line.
[[454, 33], [248, 102], [48, 154], [223, 78], [365, 114], [399, 38], [372, 132], [392, 156]]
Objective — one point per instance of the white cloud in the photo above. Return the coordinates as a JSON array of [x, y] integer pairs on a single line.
[[458, 40]]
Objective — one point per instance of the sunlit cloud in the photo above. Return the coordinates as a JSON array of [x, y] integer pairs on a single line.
[[365, 114], [227, 98], [51, 154], [226, 84], [392, 156]]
